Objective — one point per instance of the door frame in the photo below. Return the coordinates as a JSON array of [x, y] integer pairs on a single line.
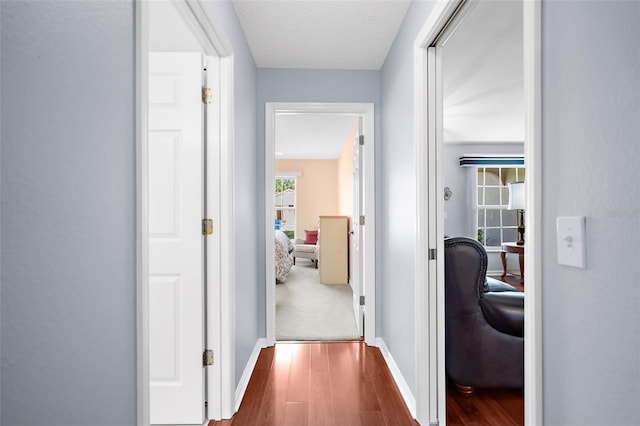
[[219, 286], [430, 331], [366, 111]]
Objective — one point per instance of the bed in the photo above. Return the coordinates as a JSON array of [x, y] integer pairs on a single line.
[[284, 247]]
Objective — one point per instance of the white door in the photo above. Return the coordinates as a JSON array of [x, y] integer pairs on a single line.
[[357, 285], [176, 270]]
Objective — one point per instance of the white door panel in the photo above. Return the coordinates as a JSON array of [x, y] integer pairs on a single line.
[[175, 239]]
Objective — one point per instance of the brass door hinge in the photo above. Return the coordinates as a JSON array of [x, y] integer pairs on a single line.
[[207, 358], [207, 226], [207, 95]]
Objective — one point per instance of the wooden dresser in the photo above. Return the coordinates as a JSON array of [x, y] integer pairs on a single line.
[[333, 255]]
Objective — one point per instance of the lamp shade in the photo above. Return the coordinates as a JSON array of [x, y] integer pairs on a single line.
[[516, 196]]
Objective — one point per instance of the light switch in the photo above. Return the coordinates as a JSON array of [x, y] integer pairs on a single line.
[[571, 241]]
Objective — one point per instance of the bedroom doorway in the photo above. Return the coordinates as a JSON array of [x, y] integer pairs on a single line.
[[319, 189]]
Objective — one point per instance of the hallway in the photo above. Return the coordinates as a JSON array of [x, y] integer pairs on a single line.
[[338, 383]]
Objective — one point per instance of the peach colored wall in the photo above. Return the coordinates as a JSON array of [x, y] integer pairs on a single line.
[[345, 175], [316, 190], [345, 182]]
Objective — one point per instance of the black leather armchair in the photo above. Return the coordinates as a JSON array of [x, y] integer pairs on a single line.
[[484, 337]]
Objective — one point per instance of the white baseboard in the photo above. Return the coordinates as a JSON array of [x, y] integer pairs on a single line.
[[406, 393], [248, 370]]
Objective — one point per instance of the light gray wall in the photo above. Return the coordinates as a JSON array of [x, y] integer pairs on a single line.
[[68, 210], [245, 181], [397, 231], [0, 213], [591, 151], [68, 213], [459, 208], [292, 85]]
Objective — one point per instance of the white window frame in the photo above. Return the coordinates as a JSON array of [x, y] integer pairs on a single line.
[[520, 169], [294, 178]]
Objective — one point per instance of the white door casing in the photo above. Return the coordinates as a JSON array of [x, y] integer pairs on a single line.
[[176, 192], [356, 236], [431, 396], [367, 234]]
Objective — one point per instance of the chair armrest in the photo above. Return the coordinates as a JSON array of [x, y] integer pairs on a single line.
[[504, 311]]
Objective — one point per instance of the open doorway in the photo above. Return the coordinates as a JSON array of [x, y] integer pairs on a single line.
[[319, 211], [314, 186], [482, 142], [443, 109]]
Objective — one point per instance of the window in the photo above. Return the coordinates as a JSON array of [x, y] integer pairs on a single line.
[[496, 224], [285, 206]]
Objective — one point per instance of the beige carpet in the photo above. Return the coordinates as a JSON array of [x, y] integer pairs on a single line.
[[308, 310]]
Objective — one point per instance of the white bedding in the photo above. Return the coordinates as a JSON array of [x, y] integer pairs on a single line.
[[283, 258]]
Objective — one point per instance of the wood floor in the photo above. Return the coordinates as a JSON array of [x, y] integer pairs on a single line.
[[321, 383], [500, 407], [349, 384]]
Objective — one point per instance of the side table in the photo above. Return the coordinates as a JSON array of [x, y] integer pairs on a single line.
[[512, 248]]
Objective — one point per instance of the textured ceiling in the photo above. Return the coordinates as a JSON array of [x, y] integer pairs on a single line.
[[320, 34]]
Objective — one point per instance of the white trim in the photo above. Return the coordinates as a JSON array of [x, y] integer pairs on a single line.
[[221, 285], [403, 387], [366, 111], [533, 256], [269, 200], [227, 239], [205, 27], [248, 371], [425, 330], [221, 328], [214, 248], [142, 213]]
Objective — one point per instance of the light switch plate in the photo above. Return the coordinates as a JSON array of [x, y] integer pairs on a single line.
[[571, 241]]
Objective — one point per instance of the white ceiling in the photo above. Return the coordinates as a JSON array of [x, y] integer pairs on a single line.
[[483, 66], [312, 135], [320, 34], [484, 75]]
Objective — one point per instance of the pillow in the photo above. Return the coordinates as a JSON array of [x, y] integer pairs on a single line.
[[310, 237]]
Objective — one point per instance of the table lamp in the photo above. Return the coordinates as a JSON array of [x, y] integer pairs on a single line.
[[516, 202]]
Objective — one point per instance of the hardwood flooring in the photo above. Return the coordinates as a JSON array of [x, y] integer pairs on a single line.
[[321, 383], [499, 407], [349, 384]]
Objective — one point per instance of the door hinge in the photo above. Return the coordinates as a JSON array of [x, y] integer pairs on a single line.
[[361, 139], [432, 254], [361, 300], [207, 95], [361, 219], [207, 226], [207, 358]]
